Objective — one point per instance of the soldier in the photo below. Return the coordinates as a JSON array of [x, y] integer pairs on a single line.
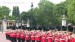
[[18, 36], [15, 34], [11, 36], [49, 37], [62, 39], [7, 34], [56, 39], [32, 36], [22, 36], [43, 37], [38, 36], [27, 38]]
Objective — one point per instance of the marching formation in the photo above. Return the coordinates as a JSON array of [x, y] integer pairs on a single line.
[[39, 36]]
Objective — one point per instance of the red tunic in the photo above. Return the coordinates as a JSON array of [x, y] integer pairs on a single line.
[[56, 39], [22, 36], [62, 40], [71, 39], [74, 40], [11, 35], [43, 38], [38, 37], [32, 36], [49, 39], [8, 33], [27, 37], [14, 35], [18, 35]]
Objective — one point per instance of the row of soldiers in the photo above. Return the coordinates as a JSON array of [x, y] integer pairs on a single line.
[[20, 35]]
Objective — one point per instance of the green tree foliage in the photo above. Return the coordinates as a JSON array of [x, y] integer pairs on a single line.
[[44, 14], [25, 15], [71, 11], [10, 17], [4, 11], [48, 13], [15, 11], [59, 10]]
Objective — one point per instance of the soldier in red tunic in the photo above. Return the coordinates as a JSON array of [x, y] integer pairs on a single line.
[[22, 37], [49, 37], [11, 36], [18, 36], [15, 34], [32, 36], [38, 37], [71, 38], [62, 39], [7, 34], [27, 37], [56, 39], [43, 37]]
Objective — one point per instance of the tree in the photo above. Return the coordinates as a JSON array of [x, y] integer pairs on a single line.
[[25, 15], [59, 10], [71, 11], [15, 11], [47, 13], [44, 14], [4, 11]]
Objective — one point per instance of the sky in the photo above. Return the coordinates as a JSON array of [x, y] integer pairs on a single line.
[[24, 5]]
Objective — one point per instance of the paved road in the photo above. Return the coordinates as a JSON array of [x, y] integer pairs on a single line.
[[2, 38]]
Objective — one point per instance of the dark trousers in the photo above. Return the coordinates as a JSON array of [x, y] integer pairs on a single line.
[[23, 39], [27, 40], [8, 37], [38, 41], [33, 40], [18, 39], [14, 40]]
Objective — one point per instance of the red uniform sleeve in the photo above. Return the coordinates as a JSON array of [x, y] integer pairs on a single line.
[[32, 36], [18, 35], [27, 37]]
